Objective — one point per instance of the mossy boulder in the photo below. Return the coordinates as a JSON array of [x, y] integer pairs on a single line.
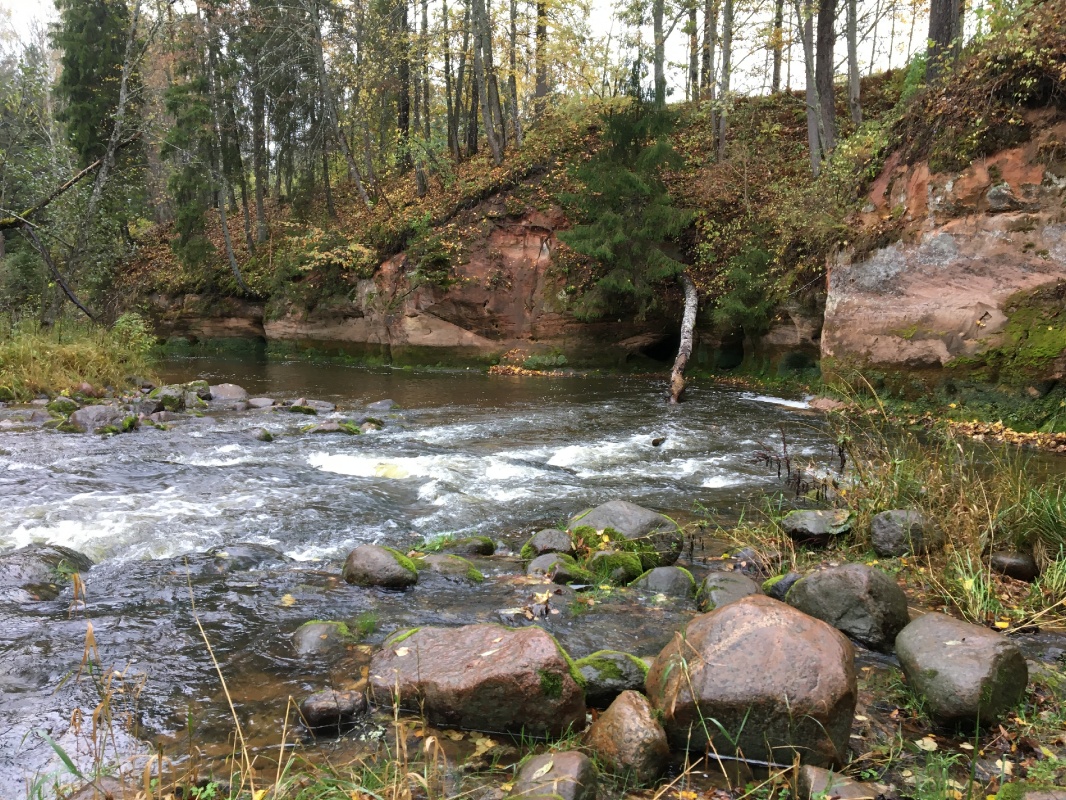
[[614, 566], [561, 568], [62, 406], [450, 566], [374, 565], [39, 571], [816, 528], [549, 540], [469, 545], [321, 636], [608, 673], [656, 538]]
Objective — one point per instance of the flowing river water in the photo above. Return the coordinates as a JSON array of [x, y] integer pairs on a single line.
[[255, 533]]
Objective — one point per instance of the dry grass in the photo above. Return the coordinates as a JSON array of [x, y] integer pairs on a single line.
[[36, 360]]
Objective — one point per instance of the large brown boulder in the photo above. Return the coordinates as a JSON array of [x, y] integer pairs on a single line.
[[759, 678], [964, 672], [628, 739], [485, 677]]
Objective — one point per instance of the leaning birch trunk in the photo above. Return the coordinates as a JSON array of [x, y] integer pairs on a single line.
[[688, 323]]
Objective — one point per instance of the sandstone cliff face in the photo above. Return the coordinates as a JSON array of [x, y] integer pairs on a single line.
[[980, 250], [503, 296]]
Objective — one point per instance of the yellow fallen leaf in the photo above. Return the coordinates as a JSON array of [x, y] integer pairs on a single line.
[[540, 773], [455, 736], [966, 746], [928, 744], [402, 651], [488, 653], [287, 601], [1002, 624]]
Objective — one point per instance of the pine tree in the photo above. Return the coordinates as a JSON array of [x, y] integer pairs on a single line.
[[91, 35], [628, 217]]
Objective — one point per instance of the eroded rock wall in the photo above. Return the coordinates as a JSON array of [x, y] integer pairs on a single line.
[[975, 247]]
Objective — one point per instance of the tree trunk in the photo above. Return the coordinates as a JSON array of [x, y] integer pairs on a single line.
[[944, 18], [692, 89], [727, 69], [779, 41], [805, 20], [657, 11], [331, 209], [684, 352], [38, 245], [824, 67], [854, 103], [450, 121], [460, 82], [540, 92], [424, 59], [403, 74], [481, 75], [512, 77], [710, 31], [259, 155]]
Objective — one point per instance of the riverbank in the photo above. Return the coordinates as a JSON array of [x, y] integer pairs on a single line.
[[441, 453]]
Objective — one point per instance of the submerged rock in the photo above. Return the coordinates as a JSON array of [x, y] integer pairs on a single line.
[[608, 673], [228, 393], [312, 407], [861, 601], [485, 677], [777, 682], [722, 588], [331, 713], [658, 537], [470, 545], [964, 672], [629, 740], [39, 571], [672, 581], [902, 532], [381, 405], [373, 565], [320, 636], [261, 402], [816, 528]]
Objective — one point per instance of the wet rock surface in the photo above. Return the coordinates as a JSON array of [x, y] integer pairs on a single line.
[[485, 677], [777, 681], [722, 588], [859, 600], [39, 571], [674, 581], [639, 525], [373, 565], [964, 672], [331, 712], [608, 673]]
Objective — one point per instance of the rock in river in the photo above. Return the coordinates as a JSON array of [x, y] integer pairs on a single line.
[[778, 683], [101, 419], [549, 540], [331, 713], [672, 581], [373, 565], [639, 525], [861, 601], [629, 740], [38, 571], [484, 677], [965, 673], [228, 393]]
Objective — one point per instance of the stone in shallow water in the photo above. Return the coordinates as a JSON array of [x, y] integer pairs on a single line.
[[228, 393], [608, 673], [38, 571], [549, 540], [642, 526], [373, 565], [673, 581], [965, 672], [560, 568], [260, 402], [320, 636], [331, 712], [483, 677]]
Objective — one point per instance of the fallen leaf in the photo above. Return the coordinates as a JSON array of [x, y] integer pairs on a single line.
[[928, 744], [287, 601], [488, 653], [402, 651], [540, 773]]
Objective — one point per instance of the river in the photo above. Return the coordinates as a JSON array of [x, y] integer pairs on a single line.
[[461, 453]]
